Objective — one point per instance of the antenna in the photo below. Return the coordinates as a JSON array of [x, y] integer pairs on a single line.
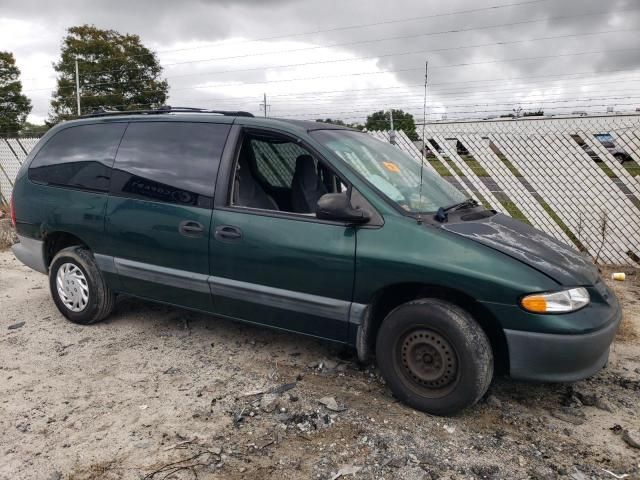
[[392, 132], [424, 121]]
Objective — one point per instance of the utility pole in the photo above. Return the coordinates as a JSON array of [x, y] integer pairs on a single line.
[[77, 86], [264, 105]]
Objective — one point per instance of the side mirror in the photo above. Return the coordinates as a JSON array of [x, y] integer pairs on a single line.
[[337, 207]]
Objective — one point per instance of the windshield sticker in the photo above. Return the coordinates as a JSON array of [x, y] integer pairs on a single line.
[[392, 167]]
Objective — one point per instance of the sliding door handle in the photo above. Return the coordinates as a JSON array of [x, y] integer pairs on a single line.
[[228, 232]]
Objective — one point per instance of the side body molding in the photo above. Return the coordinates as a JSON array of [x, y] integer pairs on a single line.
[[332, 308]]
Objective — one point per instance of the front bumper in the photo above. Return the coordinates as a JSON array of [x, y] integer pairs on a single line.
[[30, 252], [548, 357]]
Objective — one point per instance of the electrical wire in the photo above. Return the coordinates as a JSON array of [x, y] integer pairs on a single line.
[[370, 57], [401, 37], [351, 27], [380, 72]]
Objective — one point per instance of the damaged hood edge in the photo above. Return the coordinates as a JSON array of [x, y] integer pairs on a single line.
[[530, 246]]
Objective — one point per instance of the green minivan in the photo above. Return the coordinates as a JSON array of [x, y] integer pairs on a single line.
[[312, 228]]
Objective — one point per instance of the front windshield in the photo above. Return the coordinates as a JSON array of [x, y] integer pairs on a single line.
[[390, 170]]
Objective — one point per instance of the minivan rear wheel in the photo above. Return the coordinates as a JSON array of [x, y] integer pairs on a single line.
[[434, 356], [78, 287]]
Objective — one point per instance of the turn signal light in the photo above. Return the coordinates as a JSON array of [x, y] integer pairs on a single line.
[[535, 303], [562, 301]]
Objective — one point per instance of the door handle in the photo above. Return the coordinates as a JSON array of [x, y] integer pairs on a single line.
[[189, 228], [228, 232]]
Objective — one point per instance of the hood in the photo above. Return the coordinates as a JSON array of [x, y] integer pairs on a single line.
[[531, 246]]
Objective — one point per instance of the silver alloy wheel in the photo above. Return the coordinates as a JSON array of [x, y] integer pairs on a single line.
[[73, 288]]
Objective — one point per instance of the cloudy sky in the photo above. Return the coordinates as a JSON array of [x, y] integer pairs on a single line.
[[343, 59]]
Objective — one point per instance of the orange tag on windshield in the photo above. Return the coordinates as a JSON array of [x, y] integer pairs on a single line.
[[392, 167]]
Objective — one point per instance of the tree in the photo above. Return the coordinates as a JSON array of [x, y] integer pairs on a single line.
[[116, 72], [14, 105], [331, 121], [401, 121], [357, 126]]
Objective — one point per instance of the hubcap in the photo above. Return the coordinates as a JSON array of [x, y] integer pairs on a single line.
[[428, 359], [72, 286]]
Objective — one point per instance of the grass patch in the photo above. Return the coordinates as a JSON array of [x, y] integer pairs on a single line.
[[453, 167], [561, 224], [439, 167], [606, 169], [632, 167], [471, 162], [514, 171], [475, 166], [514, 211]]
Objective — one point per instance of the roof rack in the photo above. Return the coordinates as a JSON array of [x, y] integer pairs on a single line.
[[104, 112]]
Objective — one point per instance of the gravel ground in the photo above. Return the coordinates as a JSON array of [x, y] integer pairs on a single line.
[[157, 392]]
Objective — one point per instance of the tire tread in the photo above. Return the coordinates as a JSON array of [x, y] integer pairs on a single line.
[[104, 296], [476, 341]]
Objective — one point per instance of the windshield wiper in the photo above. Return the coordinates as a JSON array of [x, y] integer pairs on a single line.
[[442, 215]]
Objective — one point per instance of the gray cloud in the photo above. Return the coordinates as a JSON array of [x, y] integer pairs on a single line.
[[166, 25]]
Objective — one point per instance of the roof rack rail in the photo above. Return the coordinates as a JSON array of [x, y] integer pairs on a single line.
[[104, 112]]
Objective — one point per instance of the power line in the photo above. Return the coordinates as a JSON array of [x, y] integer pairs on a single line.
[[416, 105], [401, 37], [330, 94], [404, 98], [352, 27], [399, 97], [416, 110], [449, 107], [371, 57], [407, 103], [380, 72], [493, 80], [359, 117]]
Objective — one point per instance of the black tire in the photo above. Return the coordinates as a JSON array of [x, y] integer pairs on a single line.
[[101, 299], [434, 356]]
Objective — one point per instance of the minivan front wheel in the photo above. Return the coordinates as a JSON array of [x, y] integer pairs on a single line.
[[434, 356], [78, 287]]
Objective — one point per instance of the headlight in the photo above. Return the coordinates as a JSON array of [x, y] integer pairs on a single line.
[[556, 302]]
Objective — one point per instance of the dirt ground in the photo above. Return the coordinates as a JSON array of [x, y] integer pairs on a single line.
[[157, 392]]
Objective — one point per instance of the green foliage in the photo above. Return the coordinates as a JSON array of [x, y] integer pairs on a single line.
[[331, 121], [14, 105], [401, 121], [33, 129], [116, 72], [357, 126]]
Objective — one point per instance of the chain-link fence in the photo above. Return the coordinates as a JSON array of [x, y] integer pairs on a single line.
[[13, 151], [577, 179]]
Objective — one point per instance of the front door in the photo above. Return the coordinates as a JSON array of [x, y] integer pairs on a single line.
[[272, 262], [158, 216]]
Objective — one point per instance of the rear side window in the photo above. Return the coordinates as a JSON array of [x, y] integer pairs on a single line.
[[174, 162], [78, 157]]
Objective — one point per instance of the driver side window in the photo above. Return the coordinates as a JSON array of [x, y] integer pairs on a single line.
[[275, 173]]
